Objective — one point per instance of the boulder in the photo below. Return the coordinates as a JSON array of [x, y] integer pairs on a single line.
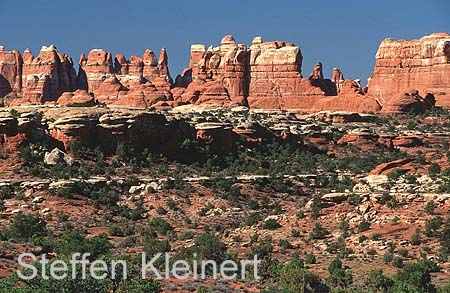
[[407, 141], [409, 102], [76, 98], [364, 140], [386, 168], [336, 197], [57, 157], [218, 135]]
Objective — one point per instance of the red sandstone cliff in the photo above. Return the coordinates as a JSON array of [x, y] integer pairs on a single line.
[[36, 80], [10, 71], [263, 75], [136, 82], [423, 65]]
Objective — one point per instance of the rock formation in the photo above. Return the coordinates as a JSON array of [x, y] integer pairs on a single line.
[[138, 82], [107, 129], [36, 80], [408, 102], [219, 136], [78, 97], [350, 98], [46, 76], [218, 74], [337, 77], [423, 65], [317, 73], [94, 69], [265, 75], [276, 80], [10, 71]]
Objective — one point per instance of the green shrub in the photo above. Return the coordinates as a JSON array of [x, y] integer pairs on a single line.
[[432, 226], [403, 252], [271, 224], [430, 207], [26, 227], [171, 204], [363, 226], [375, 236], [434, 169], [415, 238], [210, 247], [339, 275], [121, 230], [362, 238], [285, 244], [134, 283], [153, 246], [253, 219], [294, 278], [310, 258], [416, 276], [161, 225], [318, 232], [388, 257], [316, 207], [186, 235], [397, 262], [354, 199], [71, 241], [378, 281]]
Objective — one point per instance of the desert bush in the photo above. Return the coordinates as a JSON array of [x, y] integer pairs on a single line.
[[26, 227], [294, 278], [271, 224], [363, 226], [318, 232], [339, 275]]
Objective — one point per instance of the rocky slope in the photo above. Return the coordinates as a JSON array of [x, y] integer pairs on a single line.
[[377, 184]]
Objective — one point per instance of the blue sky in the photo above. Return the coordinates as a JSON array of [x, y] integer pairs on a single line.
[[343, 34]]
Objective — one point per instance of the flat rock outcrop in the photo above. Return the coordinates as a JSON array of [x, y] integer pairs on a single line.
[[107, 129]]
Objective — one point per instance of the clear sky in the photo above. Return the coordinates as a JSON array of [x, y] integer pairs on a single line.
[[343, 34]]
